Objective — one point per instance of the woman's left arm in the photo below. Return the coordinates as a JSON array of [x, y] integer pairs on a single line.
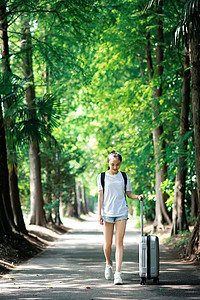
[[133, 196]]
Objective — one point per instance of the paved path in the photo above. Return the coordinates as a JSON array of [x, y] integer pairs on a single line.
[[73, 268]]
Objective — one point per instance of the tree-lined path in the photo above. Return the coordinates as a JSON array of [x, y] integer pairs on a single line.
[[73, 268]]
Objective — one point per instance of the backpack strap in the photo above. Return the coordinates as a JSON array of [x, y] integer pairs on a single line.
[[103, 180], [125, 180]]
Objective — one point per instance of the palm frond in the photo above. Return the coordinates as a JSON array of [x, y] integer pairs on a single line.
[[191, 8], [26, 121], [180, 34], [152, 2], [49, 110], [12, 88], [189, 26], [28, 130]]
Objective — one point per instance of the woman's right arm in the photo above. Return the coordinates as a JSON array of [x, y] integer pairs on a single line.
[[100, 203]]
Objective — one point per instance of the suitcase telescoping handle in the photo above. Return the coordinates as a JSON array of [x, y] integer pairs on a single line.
[[141, 213]]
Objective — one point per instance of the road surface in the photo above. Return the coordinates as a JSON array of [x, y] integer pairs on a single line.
[[73, 268]]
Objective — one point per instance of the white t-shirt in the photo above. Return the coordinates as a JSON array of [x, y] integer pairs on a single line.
[[114, 201]]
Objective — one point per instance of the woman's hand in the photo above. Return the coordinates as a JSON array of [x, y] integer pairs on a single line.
[[133, 196], [141, 197], [101, 220]]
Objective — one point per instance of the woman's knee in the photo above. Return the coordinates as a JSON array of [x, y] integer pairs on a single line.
[[119, 243], [107, 245]]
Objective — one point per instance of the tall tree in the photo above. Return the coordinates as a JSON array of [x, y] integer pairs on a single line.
[[6, 225], [6, 217], [159, 146], [189, 30], [10, 208], [179, 216], [37, 212], [13, 180], [192, 11]]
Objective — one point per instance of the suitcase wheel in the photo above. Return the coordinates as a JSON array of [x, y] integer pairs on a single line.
[[142, 280], [156, 280]]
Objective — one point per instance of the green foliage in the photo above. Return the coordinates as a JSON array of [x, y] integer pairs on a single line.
[[93, 95], [168, 187]]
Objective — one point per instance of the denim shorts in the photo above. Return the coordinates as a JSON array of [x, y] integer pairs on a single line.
[[114, 219]]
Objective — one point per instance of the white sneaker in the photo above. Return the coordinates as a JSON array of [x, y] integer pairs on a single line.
[[108, 271], [117, 278]]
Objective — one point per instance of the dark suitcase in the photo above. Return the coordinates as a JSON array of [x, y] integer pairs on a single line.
[[148, 255]]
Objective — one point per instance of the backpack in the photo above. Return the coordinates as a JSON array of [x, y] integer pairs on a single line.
[[103, 180]]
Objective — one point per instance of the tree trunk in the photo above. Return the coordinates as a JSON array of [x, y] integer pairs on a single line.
[[15, 201], [5, 221], [4, 39], [179, 217], [72, 207], [78, 198], [195, 74], [84, 200], [194, 205], [37, 213]]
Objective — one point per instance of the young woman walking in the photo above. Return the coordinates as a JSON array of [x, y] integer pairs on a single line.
[[113, 212]]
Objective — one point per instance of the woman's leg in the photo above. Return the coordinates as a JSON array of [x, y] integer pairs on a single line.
[[108, 235], [120, 227]]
